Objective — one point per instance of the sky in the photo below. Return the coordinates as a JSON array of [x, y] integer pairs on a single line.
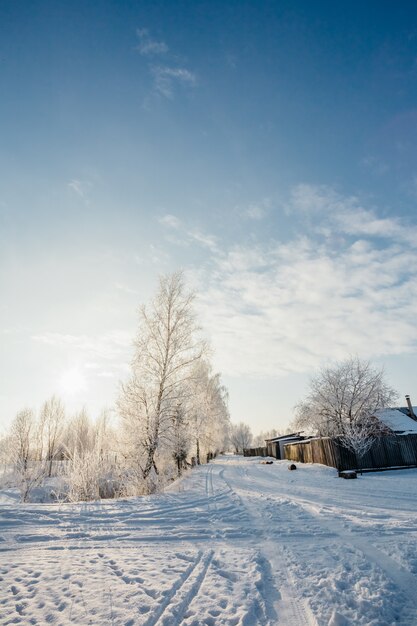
[[268, 149]]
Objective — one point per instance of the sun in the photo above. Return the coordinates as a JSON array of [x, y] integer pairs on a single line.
[[72, 382]]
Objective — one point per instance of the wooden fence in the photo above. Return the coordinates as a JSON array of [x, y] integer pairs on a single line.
[[394, 451], [255, 452]]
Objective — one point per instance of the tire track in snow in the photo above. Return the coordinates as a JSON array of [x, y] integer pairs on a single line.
[[172, 608], [402, 578], [290, 609]]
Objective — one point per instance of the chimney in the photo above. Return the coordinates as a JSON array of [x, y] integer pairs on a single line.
[[410, 408]]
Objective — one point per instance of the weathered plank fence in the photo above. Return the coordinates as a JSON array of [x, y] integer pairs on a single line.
[[394, 451], [255, 452]]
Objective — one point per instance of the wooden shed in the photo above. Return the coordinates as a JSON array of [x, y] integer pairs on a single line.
[[396, 448], [275, 446]]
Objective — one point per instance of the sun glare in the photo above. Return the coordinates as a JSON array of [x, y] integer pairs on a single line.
[[72, 382]]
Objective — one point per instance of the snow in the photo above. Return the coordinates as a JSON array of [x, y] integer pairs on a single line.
[[235, 542], [397, 421]]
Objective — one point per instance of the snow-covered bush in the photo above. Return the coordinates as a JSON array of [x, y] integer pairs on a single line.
[[84, 477]]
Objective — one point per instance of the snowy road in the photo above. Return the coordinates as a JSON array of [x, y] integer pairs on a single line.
[[235, 542]]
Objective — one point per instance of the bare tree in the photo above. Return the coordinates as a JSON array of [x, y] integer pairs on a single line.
[[240, 437], [359, 436], [218, 423], [259, 440], [166, 347], [78, 437], [23, 453], [52, 419], [93, 470], [84, 476], [180, 437], [343, 398], [208, 411]]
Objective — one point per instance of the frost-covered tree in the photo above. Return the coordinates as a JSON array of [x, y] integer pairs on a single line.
[[240, 437], [78, 436], [23, 441], [259, 440], [84, 476], [166, 348], [359, 436], [208, 411], [51, 422], [180, 441], [218, 424], [343, 398], [93, 470]]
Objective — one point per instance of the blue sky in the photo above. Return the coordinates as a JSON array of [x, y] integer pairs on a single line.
[[267, 148]]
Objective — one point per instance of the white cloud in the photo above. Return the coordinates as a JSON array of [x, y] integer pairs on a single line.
[[203, 239], [333, 213], [312, 199], [256, 210], [281, 307], [81, 188], [126, 289], [113, 346], [167, 78], [186, 236], [149, 46], [153, 255], [170, 220], [375, 165]]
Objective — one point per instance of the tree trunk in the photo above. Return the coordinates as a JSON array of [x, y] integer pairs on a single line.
[[198, 452], [150, 462]]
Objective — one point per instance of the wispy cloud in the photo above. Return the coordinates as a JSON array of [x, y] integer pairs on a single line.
[[185, 235], [126, 289], [255, 210], [375, 165], [170, 220], [149, 46], [343, 215], [347, 285], [101, 353], [167, 76], [203, 239], [81, 188], [153, 255]]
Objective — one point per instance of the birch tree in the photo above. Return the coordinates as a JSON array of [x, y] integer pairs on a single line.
[[208, 410], [23, 452], [52, 420], [166, 348], [343, 398], [240, 437], [78, 437], [180, 437]]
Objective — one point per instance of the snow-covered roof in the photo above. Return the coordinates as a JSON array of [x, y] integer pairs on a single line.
[[282, 437], [398, 420]]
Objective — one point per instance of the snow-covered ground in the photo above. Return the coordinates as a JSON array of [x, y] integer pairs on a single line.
[[234, 542]]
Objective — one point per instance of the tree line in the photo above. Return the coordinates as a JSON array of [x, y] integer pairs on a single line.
[[172, 411]]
